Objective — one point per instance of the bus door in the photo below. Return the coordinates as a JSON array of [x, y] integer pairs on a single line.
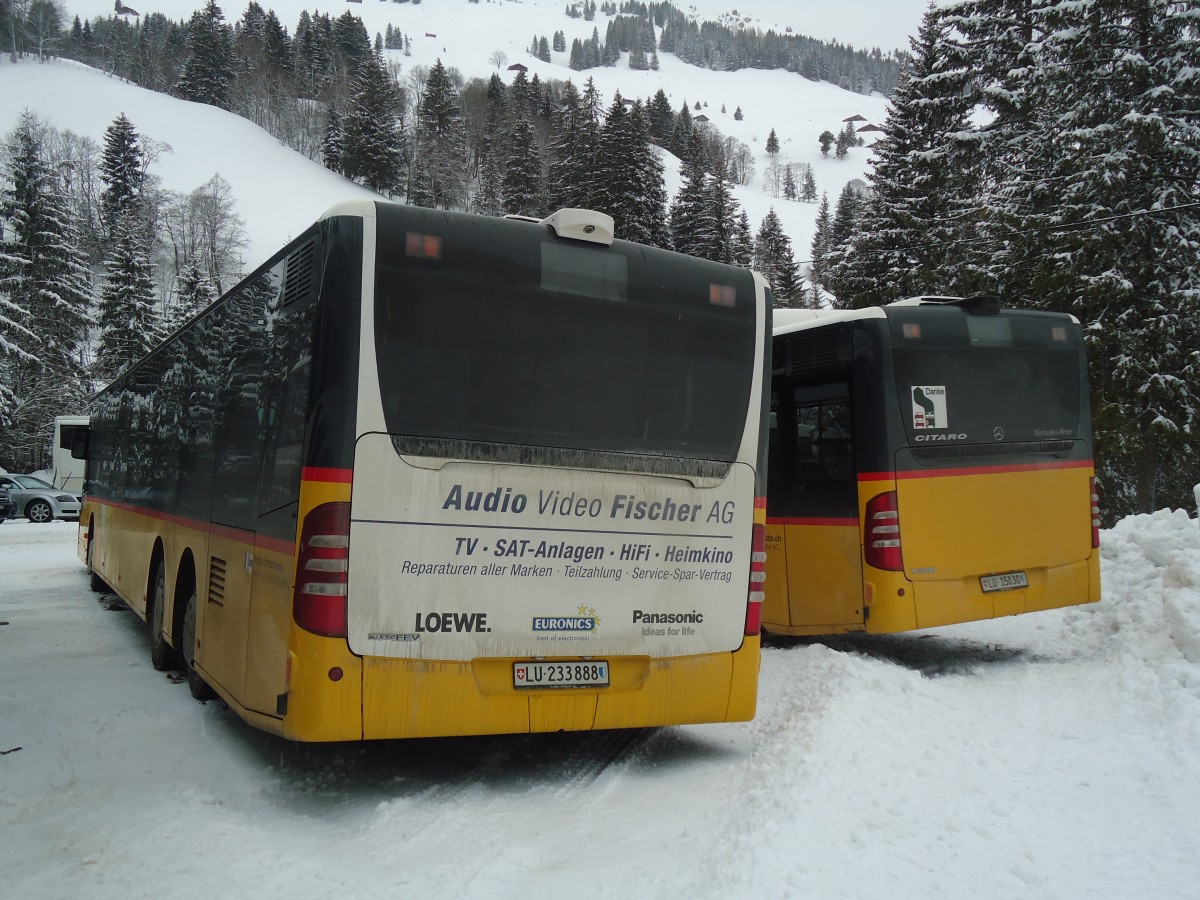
[[813, 528]]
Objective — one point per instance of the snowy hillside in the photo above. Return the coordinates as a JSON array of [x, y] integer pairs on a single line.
[[278, 193], [1045, 756]]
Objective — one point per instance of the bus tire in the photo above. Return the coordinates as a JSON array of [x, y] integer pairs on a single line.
[[196, 684], [95, 582], [161, 655]]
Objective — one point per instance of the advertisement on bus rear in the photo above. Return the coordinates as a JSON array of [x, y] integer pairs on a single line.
[[474, 560]]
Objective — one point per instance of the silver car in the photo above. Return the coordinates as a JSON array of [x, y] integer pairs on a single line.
[[39, 501]]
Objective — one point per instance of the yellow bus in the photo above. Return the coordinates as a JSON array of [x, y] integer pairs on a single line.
[[427, 473], [930, 463]]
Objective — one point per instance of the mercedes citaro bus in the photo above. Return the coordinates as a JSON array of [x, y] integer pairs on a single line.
[[427, 473], [930, 463]]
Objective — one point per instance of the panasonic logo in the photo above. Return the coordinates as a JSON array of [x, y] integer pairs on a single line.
[[925, 438]]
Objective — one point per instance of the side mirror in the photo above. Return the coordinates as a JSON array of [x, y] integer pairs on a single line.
[[79, 445]]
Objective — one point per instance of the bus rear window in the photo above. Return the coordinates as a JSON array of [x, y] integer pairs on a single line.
[[982, 394], [520, 339]]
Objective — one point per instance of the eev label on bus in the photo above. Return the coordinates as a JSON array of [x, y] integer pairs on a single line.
[[929, 406]]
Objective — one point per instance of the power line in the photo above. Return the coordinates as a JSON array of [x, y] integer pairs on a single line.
[[1049, 229]]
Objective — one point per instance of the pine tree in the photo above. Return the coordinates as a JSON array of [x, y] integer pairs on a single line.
[[743, 243], [45, 275], [208, 72], [774, 260], [808, 186], [903, 243], [441, 145], [128, 320], [522, 187], [681, 133], [629, 177], [489, 199], [846, 139], [331, 143], [789, 184], [822, 242], [571, 180], [122, 169], [690, 210], [1117, 118], [648, 217], [371, 138], [661, 118], [772, 143]]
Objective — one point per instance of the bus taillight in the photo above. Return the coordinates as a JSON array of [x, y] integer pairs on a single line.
[[319, 602], [882, 540], [758, 575], [1095, 512]]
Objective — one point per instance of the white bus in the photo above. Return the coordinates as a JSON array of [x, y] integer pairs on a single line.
[[426, 473], [70, 466]]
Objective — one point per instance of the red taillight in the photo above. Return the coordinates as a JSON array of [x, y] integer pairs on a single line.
[[758, 575], [881, 543], [319, 601], [1095, 512]]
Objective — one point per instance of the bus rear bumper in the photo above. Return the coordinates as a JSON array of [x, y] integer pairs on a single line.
[[952, 602], [406, 698]]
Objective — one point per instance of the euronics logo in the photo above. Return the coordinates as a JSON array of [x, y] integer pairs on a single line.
[[585, 621]]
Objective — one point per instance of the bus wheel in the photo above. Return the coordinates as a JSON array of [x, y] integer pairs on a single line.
[[161, 656], [197, 685], [95, 582]]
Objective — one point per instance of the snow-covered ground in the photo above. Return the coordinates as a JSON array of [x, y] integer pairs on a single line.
[[1051, 756]]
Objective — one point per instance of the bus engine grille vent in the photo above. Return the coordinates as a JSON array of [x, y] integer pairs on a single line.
[[298, 277], [815, 351], [216, 581]]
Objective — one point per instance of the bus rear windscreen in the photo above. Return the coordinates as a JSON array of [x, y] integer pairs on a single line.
[[1012, 379], [517, 338]]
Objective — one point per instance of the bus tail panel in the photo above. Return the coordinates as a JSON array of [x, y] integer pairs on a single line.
[[978, 544]]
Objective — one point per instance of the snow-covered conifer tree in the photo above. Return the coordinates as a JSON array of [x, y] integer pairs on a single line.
[[128, 318], [371, 141], [45, 275], [208, 72], [122, 168]]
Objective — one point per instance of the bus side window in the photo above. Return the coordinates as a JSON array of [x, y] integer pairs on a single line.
[[280, 483]]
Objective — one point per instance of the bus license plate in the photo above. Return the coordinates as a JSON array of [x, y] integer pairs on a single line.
[[592, 673], [1008, 581]]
